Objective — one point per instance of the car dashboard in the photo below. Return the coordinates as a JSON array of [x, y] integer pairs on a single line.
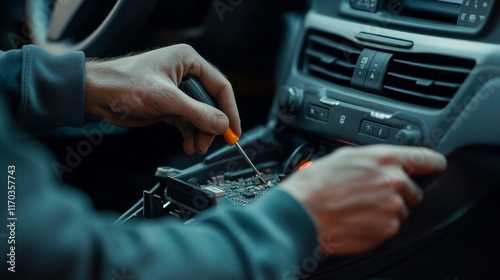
[[362, 72]]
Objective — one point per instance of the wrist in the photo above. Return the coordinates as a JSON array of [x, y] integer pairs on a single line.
[[101, 80]]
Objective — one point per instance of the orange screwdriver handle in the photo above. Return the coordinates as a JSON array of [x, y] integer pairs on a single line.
[[230, 137], [193, 87]]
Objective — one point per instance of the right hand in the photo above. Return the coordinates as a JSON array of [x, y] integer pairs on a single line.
[[143, 89], [358, 197]]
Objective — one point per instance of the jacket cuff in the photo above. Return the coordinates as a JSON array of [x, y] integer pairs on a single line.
[[52, 89]]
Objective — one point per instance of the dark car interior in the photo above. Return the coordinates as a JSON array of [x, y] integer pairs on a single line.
[[309, 77]]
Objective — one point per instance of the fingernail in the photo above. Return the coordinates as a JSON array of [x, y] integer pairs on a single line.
[[221, 124], [442, 162]]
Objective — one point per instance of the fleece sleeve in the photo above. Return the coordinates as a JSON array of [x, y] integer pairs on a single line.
[[44, 91], [57, 235]]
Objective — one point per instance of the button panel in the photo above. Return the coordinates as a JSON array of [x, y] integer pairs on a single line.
[[474, 12], [365, 5], [375, 75], [317, 113], [374, 129], [362, 66], [370, 70]]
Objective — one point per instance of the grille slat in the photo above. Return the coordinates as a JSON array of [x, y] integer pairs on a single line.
[[329, 58], [423, 79]]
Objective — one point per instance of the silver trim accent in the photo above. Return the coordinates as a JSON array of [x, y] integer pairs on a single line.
[[380, 115], [328, 101]]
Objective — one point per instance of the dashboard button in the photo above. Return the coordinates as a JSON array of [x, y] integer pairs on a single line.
[[322, 114], [312, 112], [381, 132], [374, 129], [317, 113], [362, 65], [365, 5], [375, 74], [366, 128]]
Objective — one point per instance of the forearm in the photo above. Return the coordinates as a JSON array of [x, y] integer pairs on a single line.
[[261, 242], [59, 236]]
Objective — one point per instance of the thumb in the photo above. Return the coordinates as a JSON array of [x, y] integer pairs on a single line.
[[204, 117]]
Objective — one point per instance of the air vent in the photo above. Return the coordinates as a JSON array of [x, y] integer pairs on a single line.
[[424, 79], [329, 57]]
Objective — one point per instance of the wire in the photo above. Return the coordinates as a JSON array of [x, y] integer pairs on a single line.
[[293, 156]]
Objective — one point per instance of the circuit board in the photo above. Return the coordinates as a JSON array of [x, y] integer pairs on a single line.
[[242, 191]]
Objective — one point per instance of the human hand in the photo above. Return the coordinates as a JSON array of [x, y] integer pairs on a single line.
[[358, 197], [143, 89]]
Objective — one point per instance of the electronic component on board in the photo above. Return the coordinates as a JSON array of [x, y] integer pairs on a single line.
[[248, 195], [216, 191]]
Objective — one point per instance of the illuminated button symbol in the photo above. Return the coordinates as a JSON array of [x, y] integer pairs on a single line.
[[482, 18], [485, 5], [372, 76], [342, 119], [472, 18], [364, 60]]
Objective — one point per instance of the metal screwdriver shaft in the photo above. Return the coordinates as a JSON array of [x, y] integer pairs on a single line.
[[193, 87], [250, 163]]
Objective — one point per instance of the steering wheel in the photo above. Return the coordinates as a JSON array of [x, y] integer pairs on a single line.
[[48, 25]]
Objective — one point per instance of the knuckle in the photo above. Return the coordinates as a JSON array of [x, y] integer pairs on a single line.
[[395, 182], [392, 227], [394, 205], [187, 53], [185, 48]]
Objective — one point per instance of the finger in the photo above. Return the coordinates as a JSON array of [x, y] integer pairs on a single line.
[[414, 160], [404, 211], [202, 142], [204, 117], [216, 84], [188, 133], [398, 181]]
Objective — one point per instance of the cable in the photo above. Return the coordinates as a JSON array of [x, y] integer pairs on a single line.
[[293, 156]]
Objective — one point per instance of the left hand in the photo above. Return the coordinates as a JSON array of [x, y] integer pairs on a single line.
[[143, 89]]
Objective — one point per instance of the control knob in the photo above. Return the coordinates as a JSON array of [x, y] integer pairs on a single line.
[[408, 137], [290, 100]]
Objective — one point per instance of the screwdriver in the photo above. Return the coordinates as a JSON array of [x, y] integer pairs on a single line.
[[193, 88]]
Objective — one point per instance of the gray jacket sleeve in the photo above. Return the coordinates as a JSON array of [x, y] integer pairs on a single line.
[[53, 233], [45, 91]]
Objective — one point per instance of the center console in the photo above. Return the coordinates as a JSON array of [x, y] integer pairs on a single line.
[[359, 72]]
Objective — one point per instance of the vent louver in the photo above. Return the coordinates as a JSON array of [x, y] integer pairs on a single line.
[[329, 57], [428, 80]]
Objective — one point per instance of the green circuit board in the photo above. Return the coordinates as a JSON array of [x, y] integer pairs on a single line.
[[242, 191]]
